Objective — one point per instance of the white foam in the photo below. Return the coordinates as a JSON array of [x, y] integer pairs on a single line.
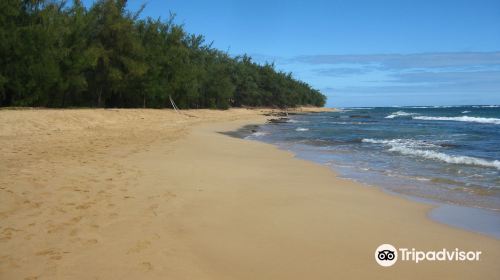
[[399, 114], [460, 119], [419, 107], [465, 112], [296, 121], [414, 148], [486, 106], [301, 129], [259, 133], [402, 142], [446, 158]]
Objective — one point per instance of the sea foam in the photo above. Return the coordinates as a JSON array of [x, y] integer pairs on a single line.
[[301, 129], [446, 158], [259, 133], [413, 143], [414, 148], [399, 114], [487, 106], [459, 119]]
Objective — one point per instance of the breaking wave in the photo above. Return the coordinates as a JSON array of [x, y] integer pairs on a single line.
[[402, 142], [301, 129], [259, 133], [414, 148], [399, 114], [459, 119], [486, 106]]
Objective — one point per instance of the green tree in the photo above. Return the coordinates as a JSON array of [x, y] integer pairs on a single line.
[[58, 55]]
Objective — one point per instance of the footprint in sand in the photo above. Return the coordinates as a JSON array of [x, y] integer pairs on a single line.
[[153, 209], [139, 247], [8, 232], [90, 241], [51, 253], [29, 236], [85, 205], [146, 265], [52, 228]]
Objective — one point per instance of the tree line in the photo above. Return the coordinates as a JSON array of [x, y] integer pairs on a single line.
[[58, 55]]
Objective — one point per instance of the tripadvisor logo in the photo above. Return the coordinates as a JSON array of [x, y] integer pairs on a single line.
[[387, 255]]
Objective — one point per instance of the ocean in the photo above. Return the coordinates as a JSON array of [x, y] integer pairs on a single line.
[[447, 155]]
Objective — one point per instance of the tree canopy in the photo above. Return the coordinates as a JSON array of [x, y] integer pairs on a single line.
[[58, 55]]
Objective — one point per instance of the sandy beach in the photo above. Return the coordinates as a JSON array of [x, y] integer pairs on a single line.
[[153, 194]]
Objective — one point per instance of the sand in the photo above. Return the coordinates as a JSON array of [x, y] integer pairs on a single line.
[[152, 194]]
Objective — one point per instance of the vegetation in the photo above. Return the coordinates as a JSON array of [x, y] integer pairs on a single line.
[[58, 55]]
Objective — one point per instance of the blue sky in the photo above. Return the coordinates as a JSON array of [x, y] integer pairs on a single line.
[[361, 53]]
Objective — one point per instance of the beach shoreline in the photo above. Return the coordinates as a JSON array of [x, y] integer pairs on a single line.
[[126, 194], [346, 146], [474, 219]]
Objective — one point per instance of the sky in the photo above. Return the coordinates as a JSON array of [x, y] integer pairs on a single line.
[[360, 53]]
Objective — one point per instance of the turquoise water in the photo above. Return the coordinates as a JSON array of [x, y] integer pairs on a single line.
[[449, 155]]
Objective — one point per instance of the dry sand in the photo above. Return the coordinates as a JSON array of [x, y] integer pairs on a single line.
[[151, 194]]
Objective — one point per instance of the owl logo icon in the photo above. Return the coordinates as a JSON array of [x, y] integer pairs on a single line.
[[386, 255]]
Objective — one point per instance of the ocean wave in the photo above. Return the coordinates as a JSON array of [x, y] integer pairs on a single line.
[[420, 107], [460, 119], [465, 112], [301, 129], [398, 175], [358, 108], [259, 133], [446, 158], [349, 123], [399, 114], [296, 121], [450, 106], [427, 107], [327, 143], [486, 106], [340, 122], [413, 143], [415, 148]]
